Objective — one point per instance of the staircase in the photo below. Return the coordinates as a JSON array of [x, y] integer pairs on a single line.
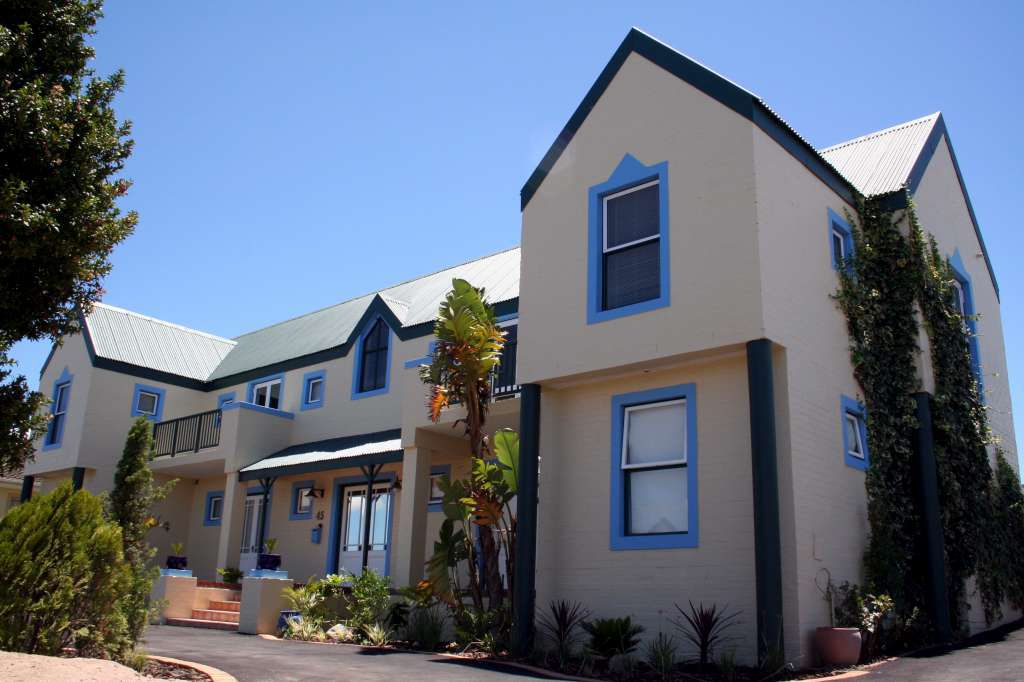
[[221, 612]]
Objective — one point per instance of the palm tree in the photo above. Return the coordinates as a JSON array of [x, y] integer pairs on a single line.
[[466, 352]]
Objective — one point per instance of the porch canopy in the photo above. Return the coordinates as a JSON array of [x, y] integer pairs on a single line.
[[364, 450]]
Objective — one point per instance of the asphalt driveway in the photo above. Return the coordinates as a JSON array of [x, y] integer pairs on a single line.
[[253, 659], [993, 657]]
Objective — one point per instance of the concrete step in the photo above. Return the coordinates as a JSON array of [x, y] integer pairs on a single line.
[[215, 615], [200, 623], [225, 605]]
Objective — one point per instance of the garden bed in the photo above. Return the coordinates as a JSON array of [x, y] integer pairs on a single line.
[[166, 670]]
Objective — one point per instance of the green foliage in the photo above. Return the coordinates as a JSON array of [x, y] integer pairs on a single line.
[[727, 668], [270, 544], [613, 636], [560, 625], [230, 575], [130, 505], [304, 630], [177, 549], [317, 601], [480, 628], [425, 626], [704, 627], [662, 654], [877, 293], [377, 634], [1001, 571], [61, 152], [369, 601], [63, 578]]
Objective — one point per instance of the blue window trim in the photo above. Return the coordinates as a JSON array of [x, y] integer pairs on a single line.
[[357, 364], [52, 441], [836, 221], [852, 406], [300, 516], [628, 173], [426, 359], [320, 374], [445, 469], [207, 521], [250, 389], [618, 539], [161, 395], [338, 486], [225, 398], [956, 262]]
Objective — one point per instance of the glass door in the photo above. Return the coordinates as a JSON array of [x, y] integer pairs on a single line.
[[251, 520], [350, 551]]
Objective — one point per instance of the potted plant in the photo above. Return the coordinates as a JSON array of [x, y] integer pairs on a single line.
[[269, 561], [177, 559], [840, 643]]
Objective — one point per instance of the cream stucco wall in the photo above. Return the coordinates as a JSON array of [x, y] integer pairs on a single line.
[[573, 557], [715, 299]]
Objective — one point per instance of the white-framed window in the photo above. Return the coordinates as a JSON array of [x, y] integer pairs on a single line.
[[959, 297], [216, 509], [631, 245], [436, 496], [315, 390], [854, 436], [60, 410], [654, 464], [838, 246], [267, 394], [147, 403], [303, 500]]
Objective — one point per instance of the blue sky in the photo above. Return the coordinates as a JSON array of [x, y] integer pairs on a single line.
[[292, 155]]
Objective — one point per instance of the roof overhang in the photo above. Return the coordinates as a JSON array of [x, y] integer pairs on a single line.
[[382, 447]]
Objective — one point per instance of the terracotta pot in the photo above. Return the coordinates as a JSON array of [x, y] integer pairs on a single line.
[[838, 646]]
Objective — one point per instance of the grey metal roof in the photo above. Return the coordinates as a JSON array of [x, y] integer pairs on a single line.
[[413, 302], [881, 162], [333, 453], [125, 336]]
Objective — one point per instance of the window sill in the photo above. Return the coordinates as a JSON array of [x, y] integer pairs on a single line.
[[598, 316], [667, 541]]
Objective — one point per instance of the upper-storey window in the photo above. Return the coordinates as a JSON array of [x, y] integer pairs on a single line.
[[959, 299], [61, 393], [840, 240], [313, 389], [628, 264], [631, 265], [148, 401], [962, 291], [855, 433], [373, 369], [268, 393]]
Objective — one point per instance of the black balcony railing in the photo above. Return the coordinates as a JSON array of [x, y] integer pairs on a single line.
[[503, 381], [187, 434]]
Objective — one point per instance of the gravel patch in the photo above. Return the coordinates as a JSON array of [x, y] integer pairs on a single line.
[[32, 668]]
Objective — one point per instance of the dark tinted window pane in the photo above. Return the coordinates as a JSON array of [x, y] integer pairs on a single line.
[[632, 275], [632, 216], [837, 248]]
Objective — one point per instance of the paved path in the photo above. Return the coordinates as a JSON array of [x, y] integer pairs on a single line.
[[253, 659], [993, 659]]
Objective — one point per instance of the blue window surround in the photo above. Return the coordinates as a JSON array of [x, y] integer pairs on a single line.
[[357, 363], [960, 272], [300, 516], [445, 469], [225, 398], [628, 173], [207, 521], [338, 487], [618, 539], [320, 374], [250, 389], [426, 359], [849, 405], [52, 441], [837, 222], [160, 393]]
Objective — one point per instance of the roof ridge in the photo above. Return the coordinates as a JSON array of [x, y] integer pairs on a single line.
[[377, 292], [182, 327], [878, 133]]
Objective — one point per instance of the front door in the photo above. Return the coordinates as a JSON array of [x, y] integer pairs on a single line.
[[350, 552], [251, 521]]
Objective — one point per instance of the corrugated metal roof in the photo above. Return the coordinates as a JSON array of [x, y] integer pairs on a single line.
[[881, 162], [413, 302], [331, 450], [125, 336]]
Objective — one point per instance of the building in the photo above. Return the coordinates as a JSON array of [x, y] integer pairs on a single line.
[[679, 252]]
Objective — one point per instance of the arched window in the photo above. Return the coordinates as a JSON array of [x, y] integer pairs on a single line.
[[373, 374]]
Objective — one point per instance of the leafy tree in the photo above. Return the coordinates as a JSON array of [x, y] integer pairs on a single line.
[[130, 506], [62, 577], [61, 150], [466, 353]]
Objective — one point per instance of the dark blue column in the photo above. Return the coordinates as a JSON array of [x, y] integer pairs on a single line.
[[524, 586], [27, 484], [77, 478]]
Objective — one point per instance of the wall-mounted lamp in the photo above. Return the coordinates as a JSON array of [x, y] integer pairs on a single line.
[[398, 484]]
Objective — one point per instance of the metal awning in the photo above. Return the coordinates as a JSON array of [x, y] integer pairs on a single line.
[[381, 447]]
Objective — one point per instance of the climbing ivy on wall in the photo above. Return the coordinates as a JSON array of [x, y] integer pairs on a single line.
[[895, 272]]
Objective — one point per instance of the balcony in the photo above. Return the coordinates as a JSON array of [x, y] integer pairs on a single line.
[[503, 379], [187, 434]]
